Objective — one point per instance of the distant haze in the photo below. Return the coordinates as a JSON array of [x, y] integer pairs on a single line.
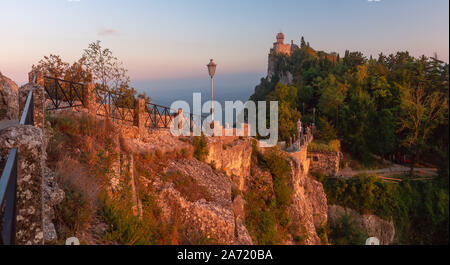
[[226, 87]]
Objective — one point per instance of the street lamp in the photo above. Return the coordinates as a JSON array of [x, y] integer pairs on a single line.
[[212, 70]]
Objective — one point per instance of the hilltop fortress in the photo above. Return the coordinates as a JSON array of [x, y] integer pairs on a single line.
[[284, 49], [279, 47]]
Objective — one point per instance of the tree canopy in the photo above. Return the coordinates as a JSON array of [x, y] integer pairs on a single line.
[[372, 104]]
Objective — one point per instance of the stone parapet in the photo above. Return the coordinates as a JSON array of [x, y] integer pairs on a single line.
[[29, 141]]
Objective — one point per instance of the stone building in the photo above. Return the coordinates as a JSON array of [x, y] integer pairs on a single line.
[[280, 48], [325, 162]]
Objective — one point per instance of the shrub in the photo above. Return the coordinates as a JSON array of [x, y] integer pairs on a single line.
[[347, 231], [200, 150], [280, 169], [72, 213], [125, 228], [79, 204], [267, 218]]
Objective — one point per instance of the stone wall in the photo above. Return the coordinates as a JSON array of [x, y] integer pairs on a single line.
[[37, 190], [29, 141], [326, 162]]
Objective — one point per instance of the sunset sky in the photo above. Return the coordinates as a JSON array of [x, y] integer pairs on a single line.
[[175, 39]]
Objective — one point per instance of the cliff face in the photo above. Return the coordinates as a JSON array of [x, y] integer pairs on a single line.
[[233, 157], [286, 77], [309, 207], [205, 201], [9, 99], [308, 211], [213, 215], [373, 225]]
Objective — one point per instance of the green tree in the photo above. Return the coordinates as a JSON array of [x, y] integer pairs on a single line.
[[326, 131], [421, 113], [288, 115]]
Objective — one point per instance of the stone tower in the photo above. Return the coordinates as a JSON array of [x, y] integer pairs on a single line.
[[279, 47]]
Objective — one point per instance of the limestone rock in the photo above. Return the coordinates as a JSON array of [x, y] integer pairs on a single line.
[[53, 195], [374, 225], [232, 157], [212, 218], [9, 99], [29, 141], [241, 232], [308, 210]]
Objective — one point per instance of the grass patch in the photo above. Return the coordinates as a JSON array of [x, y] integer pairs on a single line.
[[318, 146]]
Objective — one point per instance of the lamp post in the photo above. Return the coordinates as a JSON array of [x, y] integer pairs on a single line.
[[212, 70]]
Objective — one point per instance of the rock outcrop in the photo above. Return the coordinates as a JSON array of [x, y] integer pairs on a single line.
[[9, 99], [233, 157], [309, 207], [212, 217], [374, 225]]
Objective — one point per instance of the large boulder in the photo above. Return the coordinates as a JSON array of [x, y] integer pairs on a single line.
[[9, 99]]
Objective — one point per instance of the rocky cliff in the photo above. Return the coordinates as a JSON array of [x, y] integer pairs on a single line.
[[308, 211], [211, 201], [309, 208], [205, 200], [9, 99], [373, 225]]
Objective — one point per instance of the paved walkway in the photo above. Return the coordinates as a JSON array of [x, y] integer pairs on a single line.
[[7, 123]]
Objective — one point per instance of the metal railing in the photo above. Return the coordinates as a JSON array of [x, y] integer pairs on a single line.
[[8, 181], [63, 94], [117, 106], [158, 116], [8, 188]]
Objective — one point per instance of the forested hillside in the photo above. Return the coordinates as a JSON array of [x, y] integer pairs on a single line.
[[391, 106], [393, 103]]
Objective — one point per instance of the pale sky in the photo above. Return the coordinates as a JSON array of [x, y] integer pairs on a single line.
[[175, 39]]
